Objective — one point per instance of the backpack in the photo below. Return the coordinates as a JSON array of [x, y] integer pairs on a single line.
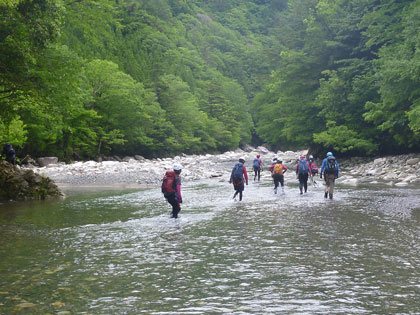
[[168, 182], [278, 169], [10, 153], [237, 173], [331, 166], [314, 168], [303, 167], [256, 163]]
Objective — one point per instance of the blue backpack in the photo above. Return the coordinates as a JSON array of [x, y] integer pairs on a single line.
[[303, 166], [256, 163], [237, 172]]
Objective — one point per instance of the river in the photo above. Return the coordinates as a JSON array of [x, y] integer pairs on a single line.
[[118, 252]]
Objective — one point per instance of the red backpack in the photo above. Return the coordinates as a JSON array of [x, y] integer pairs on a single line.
[[168, 182]]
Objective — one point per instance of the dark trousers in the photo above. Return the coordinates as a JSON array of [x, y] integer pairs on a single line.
[[257, 172], [303, 181], [175, 205], [278, 179]]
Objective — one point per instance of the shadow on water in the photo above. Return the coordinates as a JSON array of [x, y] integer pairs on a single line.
[[118, 252]]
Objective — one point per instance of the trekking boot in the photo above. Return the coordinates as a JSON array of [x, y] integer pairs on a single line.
[[275, 190], [331, 196], [326, 195]]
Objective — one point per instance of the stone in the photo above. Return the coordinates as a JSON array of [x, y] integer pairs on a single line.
[[379, 161], [413, 161], [139, 158], [44, 161]]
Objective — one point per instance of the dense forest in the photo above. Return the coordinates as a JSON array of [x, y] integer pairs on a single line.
[[87, 78]]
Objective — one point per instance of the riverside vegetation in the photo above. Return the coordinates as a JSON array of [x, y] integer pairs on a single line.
[[82, 79]]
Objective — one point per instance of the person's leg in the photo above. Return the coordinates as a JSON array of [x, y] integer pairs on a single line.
[[327, 185], [240, 196], [301, 183], [235, 194], [255, 173], [175, 206], [259, 175], [305, 182], [331, 178], [276, 183]]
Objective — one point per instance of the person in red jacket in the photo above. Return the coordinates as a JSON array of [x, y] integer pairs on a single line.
[[171, 189], [237, 177]]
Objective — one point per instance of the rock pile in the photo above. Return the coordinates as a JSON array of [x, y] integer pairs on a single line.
[[400, 170], [394, 170], [138, 170], [24, 184]]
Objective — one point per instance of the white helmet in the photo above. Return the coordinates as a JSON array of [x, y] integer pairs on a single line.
[[242, 159], [177, 167]]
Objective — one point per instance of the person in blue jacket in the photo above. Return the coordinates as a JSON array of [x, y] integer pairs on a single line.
[[329, 169]]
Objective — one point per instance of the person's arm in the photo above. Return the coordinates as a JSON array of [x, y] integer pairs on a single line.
[[178, 190], [284, 169], [338, 167], [309, 168], [245, 174], [297, 168], [322, 167]]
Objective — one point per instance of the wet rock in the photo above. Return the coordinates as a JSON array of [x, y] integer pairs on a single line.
[[19, 184]]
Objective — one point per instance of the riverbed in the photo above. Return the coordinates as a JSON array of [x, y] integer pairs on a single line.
[[116, 251]]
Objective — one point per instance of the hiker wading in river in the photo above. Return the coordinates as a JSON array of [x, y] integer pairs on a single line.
[[238, 177], [171, 189]]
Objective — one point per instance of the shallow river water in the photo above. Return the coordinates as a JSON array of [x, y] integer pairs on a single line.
[[118, 252]]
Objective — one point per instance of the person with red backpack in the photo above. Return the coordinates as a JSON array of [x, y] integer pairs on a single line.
[[303, 171], [257, 166], [237, 178], [314, 170], [171, 189]]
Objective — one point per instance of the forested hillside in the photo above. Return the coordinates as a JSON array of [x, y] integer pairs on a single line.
[[80, 79]]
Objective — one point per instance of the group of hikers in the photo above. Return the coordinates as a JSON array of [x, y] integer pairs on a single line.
[[305, 169]]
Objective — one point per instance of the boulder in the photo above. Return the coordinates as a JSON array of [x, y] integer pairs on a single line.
[[18, 184], [413, 161], [139, 158], [379, 161], [44, 161]]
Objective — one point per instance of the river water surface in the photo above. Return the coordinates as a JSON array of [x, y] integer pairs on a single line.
[[118, 252]]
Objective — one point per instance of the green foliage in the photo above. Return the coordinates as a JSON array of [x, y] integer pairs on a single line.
[[157, 77], [342, 139]]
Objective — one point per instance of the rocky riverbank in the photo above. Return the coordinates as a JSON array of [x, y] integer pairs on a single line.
[[24, 184], [400, 170]]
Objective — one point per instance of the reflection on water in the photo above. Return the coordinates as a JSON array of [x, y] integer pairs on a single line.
[[118, 252]]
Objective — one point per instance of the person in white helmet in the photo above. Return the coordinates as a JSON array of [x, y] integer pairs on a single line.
[[171, 189], [237, 177]]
